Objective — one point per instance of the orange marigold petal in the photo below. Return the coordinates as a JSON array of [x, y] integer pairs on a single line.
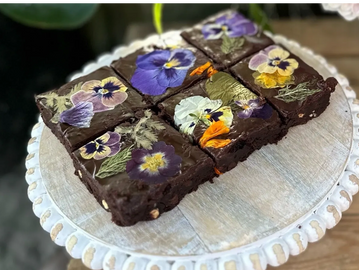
[[214, 130], [217, 171], [201, 69], [211, 71], [217, 143]]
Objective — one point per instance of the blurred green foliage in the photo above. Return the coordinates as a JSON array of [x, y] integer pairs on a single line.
[[50, 16]]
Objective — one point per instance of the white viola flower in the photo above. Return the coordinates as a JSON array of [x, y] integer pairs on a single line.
[[193, 109], [347, 11]]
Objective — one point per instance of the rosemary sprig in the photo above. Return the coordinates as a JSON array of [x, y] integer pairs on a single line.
[[298, 93]]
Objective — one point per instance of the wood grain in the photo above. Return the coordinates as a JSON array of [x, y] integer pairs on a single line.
[[299, 172]]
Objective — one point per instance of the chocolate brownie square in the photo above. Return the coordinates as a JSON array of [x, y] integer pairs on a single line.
[[296, 90], [141, 169], [227, 37], [85, 108], [224, 118], [158, 73]]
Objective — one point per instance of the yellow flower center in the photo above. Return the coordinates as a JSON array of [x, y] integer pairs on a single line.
[[153, 163], [173, 63], [275, 62], [224, 28], [103, 91], [97, 145], [273, 80], [245, 107]]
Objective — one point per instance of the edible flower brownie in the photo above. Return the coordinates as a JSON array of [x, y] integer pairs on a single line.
[[160, 73], [141, 169], [224, 118], [86, 107], [296, 90], [227, 38]]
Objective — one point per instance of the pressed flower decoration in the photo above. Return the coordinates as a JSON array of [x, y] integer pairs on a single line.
[[84, 100], [215, 130], [273, 67], [160, 69], [104, 94], [232, 25], [230, 28], [252, 108], [197, 108], [154, 166], [104, 146]]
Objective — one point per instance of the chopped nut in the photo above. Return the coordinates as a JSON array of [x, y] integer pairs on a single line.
[[80, 173], [105, 205], [301, 115], [154, 213]]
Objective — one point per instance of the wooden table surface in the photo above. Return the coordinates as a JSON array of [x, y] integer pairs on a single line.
[[338, 41]]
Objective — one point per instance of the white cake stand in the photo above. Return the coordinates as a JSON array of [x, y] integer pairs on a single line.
[[268, 207]]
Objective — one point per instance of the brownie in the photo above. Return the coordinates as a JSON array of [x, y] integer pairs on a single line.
[[299, 94], [255, 123], [141, 169], [227, 37], [160, 73], [85, 108]]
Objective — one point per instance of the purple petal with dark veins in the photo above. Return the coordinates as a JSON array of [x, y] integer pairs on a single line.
[[264, 113], [146, 82], [153, 60], [245, 113], [114, 138], [78, 116], [171, 77], [185, 57], [254, 103], [115, 148], [139, 154]]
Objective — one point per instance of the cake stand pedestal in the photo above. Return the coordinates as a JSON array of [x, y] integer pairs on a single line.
[[267, 208]]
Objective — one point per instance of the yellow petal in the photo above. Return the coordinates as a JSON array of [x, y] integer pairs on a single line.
[[200, 70], [84, 155], [104, 138], [114, 81], [278, 53], [265, 68], [227, 116], [104, 153], [89, 86]]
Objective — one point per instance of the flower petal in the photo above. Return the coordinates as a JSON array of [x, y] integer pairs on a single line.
[[116, 99], [257, 60], [146, 82], [227, 116], [153, 60], [89, 85], [278, 53], [287, 67], [173, 166], [212, 31], [87, 152], [78, 116], [254, 103], [138, 155], [185, 57], [161, 146], [113, 84], [104, 138], [115, 148], [106, 151], [216, 129], [265, 68], [81, 96], [264, 113], [217, 143], [171, 77], [242, 28], [113, 139], [245, 113]]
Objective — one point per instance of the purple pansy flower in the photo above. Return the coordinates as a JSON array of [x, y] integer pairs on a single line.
[[104, 94], [154, 166], [78, 116], [253, 109], [233, 25], [106, 145], [160, 69]]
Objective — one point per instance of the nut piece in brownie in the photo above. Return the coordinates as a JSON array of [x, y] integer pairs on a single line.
[[295, 89], [141, 169], [86, 107], [160, 73], [224, 118], [227, 37]]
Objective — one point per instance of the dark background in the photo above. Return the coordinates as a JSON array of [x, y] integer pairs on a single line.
[[33, 61]]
